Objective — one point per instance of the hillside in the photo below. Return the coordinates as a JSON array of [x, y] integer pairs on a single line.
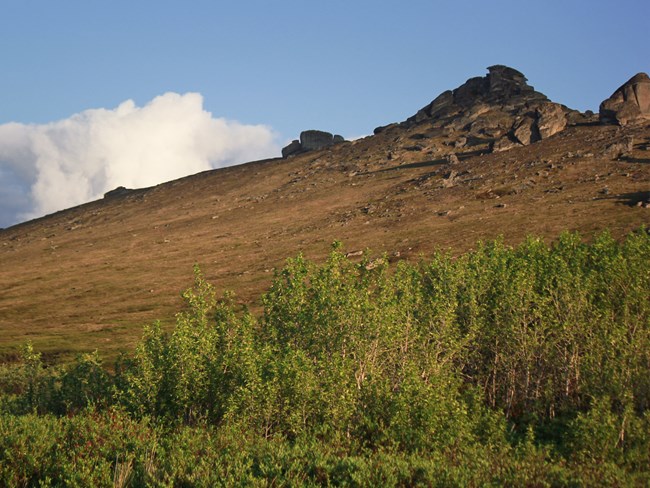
[[493, 157]]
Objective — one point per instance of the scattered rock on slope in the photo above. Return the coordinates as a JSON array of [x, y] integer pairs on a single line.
[[629, 104]]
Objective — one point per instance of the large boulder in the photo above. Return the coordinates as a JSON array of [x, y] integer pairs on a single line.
[[311, 140], [629, 104], [120, 191], [551, 119], [293, 148], [525, 131]]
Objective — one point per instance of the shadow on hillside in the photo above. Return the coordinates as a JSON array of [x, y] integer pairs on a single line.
[[632, 199], [629, 159], [420, 164], [432, 162], [593, 123]]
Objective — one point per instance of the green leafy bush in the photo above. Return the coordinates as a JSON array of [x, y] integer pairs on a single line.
[[515, 366]]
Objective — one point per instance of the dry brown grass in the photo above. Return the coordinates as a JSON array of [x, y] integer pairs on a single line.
[[89, 277]]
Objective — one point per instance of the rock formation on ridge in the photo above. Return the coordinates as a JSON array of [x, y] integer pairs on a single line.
[[311, 140], [500, 110], [120, 191], [629, 104]]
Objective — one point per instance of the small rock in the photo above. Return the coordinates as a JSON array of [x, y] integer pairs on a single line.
[[448, 180], [452, 158], [460, 142], [375, 263], [352, 254]]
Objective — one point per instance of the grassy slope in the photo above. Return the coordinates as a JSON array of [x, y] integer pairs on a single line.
[[90, 277]]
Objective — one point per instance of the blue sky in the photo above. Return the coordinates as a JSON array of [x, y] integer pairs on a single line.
[[341, 66]]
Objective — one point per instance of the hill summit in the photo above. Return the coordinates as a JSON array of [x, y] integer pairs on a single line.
[[496, 112]]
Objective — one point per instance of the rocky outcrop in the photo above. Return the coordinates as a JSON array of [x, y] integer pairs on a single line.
[[502, 86], [629, 104], [120, 191], [311, 140], [500, 109], [549, 118]]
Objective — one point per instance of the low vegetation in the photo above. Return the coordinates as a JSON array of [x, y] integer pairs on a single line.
[[505, 366]]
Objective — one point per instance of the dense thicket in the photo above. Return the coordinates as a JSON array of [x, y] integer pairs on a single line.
[[526, 365]]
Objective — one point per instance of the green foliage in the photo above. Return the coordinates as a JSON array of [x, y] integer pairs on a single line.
[[191, 373], [89, 449], [504, 366]]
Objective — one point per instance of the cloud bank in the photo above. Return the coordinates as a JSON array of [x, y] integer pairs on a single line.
[[49, 167]]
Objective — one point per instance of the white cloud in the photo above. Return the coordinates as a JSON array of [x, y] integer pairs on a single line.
[[48, 167]]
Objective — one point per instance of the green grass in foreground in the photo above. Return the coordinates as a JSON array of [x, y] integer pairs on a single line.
[[505, 366]]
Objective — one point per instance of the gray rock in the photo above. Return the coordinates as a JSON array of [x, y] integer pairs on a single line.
[[452, 158], [504, 144], [525, 131], [442, 101], [293, 148], [120, 191], [506, 83], [619, 149], [494, 126], [460, 143], [503, 92], [449, 180], [551, 119], [382, 128], [629, 104], [311, 140], [574, 117]]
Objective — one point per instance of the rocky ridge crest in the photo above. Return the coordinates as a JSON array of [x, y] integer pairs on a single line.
[[495, 112]]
